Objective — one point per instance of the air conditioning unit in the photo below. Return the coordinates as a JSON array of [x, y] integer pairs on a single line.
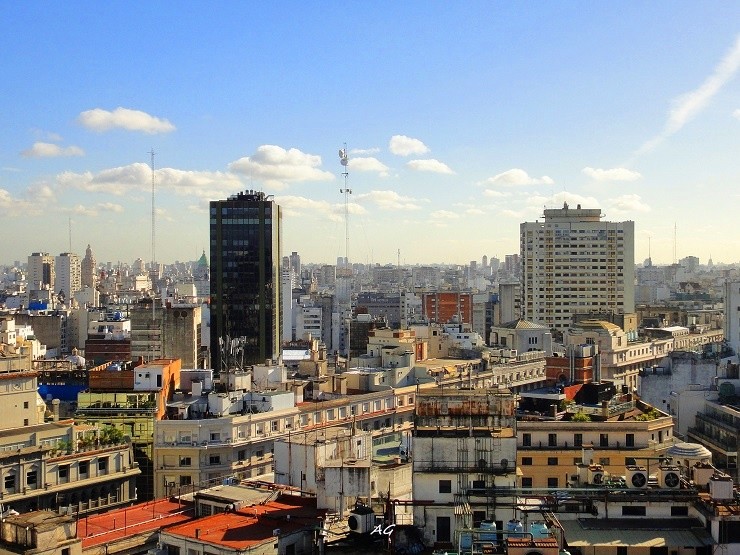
[[637, 477], [595, 474], [669, 477], [361, 520]]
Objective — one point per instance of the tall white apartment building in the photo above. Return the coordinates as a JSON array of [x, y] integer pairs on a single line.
[[574, 262], [41, 270], [732, 314], [68, 274]]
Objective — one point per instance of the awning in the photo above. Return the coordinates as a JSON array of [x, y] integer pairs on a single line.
[[578, 536]]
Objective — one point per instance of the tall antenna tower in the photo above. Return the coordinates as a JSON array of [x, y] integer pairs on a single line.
[[347, 270], [344, 160], [154, 254]]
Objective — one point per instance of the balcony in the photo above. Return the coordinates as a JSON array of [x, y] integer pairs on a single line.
[[726, 447]]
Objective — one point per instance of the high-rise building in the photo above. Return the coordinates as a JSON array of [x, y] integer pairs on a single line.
[[41, 272], [68, 274], [574, 262], [245, 277], [88, 269]]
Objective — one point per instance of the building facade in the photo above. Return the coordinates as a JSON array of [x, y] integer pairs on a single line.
[[574, 262], [245, 234]]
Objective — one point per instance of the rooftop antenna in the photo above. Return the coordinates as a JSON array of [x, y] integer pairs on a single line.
[[153, 272], [344, 160]]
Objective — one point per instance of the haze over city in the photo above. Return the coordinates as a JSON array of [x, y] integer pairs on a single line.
[[461, 122]]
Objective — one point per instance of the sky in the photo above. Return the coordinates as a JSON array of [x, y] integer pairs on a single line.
[[461, 120]]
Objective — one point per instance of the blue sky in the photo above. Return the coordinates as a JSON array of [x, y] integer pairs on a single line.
[[462, 119]]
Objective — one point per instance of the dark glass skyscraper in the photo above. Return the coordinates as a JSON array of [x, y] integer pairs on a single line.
[[245, 279]]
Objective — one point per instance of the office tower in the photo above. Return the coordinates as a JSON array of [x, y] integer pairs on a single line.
[[68, 274], [245, 278], [41, 272], [88, 269], [295, 263], [573, 263]]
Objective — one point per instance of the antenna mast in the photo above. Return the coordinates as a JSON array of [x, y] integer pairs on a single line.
[[154, 255], [347, 270]]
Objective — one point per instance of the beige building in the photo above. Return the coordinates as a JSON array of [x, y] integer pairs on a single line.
[[46, 463], [573, 262], [549, 450]]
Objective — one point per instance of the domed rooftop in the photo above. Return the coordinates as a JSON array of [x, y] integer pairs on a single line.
[[689, 451]]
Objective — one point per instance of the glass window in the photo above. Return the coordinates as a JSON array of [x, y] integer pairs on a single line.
[[445, 486]]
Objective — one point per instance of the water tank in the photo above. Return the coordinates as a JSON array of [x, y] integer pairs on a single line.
[[466, 541], [515, 527], [539, 530], [488, 531]]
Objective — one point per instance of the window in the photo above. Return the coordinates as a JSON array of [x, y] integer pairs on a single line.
[[679, 510], [31, 478], [10, 481], [604, 461], [603, 440], [25, 404], [259, 453], [526, 482], [552, 461], [215, 436], [578, 440], [552, 440], [185, 480], [83, 467], [274, 425], [630, 440], [63, 472], [621, 550], [633, 510], [445, 486], [185, 461], [103, 464], [552, 482], [479, 484], [527, 440], [241, 455], [214, 459], [526, 461]]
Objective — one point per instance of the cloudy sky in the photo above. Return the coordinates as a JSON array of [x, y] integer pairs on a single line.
[[461, 119]]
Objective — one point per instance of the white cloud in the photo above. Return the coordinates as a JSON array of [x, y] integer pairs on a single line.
[[390, 200], [138, 177], [368, 164], [401, 145], [444, 215], [124, 118], [495, 194], [430, 165], [736, 113], [516, 177], [627, 204], [687, 106], [557, 200], [295, 206], [50, 150], [612, 174], [275, 166], [110, 207], [474, 211], [363, 151], [82, 210]]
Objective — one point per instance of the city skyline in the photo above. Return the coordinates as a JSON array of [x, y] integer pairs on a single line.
[[461, 122]]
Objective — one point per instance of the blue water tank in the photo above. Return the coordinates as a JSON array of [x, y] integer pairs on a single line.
[[515, 527], [488, 531], [539, 530]]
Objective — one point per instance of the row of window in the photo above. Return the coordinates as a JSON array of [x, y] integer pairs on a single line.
[[552, 440], [10, 480]]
